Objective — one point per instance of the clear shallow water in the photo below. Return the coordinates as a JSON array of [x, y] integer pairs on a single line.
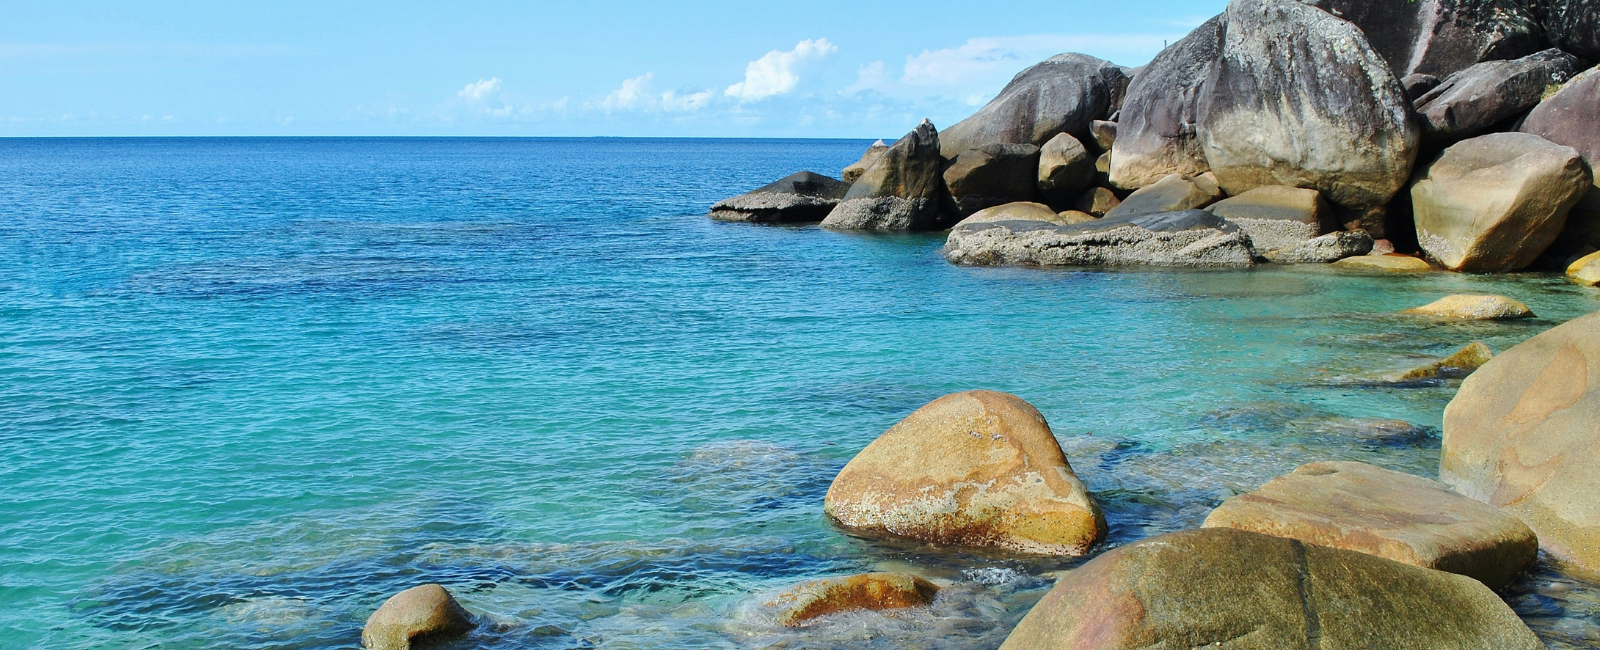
[[248, 388]]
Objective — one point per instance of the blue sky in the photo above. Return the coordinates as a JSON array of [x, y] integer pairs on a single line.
[[589, 67]]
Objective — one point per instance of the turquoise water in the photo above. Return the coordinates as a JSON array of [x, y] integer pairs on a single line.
[[249, 387]]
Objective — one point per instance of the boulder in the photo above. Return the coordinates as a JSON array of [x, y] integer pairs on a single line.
[[1474, 100], [423, 613], [992, 175], [1495, 202], [1521, 435], [1174, 193], [1459, 364], [1061, 95], [1065, 169], [1156, 133], [1586, 270], [1104, 133], [1097, 201], [867, 591], [1440, 37], [1297, 97], [1574, 26], [1324, 249], [797, 198], [1571, 118], [978, 468], [1224, 588], [1020, 211], [1192, 238], [854, 171], [1391, 263], [1405, 518], [903, 190], [1473, 307], [1276, 216], [1070, 217], [1417, 85]]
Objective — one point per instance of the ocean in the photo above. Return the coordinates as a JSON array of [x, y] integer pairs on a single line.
[[251, 387]]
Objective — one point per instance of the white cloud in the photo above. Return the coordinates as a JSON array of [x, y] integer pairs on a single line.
[[674, 102], [634, 93], [872, 76], [479, 89], [775, 73]]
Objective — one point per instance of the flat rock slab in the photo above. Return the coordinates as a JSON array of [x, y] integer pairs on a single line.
[[1405, 518], [1224, 588], [798, 198], [1384, 264], [1193, 238], [1473, 307], [867, 591]]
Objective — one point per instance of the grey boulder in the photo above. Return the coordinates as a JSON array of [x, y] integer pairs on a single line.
[[991, 175], [1474, 100], [859, 167], [1063, 94], [1574, 26], [1440, 37], [797, 198], [1277, 217], [1572, 118], [1156, 132], [902, 190], [1192, 238], [1324, 249], [1065, 170]]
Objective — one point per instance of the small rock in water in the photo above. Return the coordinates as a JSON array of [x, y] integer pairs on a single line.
[[1473, 307], [867, 591], [425, 612], [1405, 518], [1586, 270], [1384, 264], [1192, 238], [1460, 364]]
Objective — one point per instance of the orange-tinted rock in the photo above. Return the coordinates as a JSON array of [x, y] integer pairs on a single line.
[[1405, 518], [1473, 307], [867, 591], [979, 468], [1384, 264], [426, 612]]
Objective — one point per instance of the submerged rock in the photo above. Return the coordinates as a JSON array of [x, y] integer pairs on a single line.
[[867, 591], [1225, 588], [1521, 435], [1474, 100], [1063, 94], [426, 612], [797, 198], [1459, 364], [978, 468], [1440, 37], [1390, 263], [853, 173], [1473, 307], [1324, 249], [1571, 118], [1276, 216], [992, 175], [1495, 202], [1065, 169], [902, 190], [1393, 515], [1156, 133], [1173, 193], [1193, 238]]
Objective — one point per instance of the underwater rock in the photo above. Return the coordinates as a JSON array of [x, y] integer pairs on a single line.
[[1218, 587], [1193, 238], [425, 612], [994, 174], [1062, 94], [902, 190], [1473, 307], [978, 468], [1405, 518], [1521, 435], [853, 173], [798, 198], [867, 591], [1391, 263], [1331, 247], [1173, 193], [1460, 364]]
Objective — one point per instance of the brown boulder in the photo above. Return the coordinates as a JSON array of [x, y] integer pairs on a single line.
[[1097, 201], [859, 167], [867, 591], [1390, 263], [1522, 434], [1065, 169], [978, 468], [1476, 99], [902, 190], [1019, 211], [1224, 588], [1174, 193], [1156, 133], [1459, 364], [1062, 94], [426, 612], [1473, 307], [992, 175]]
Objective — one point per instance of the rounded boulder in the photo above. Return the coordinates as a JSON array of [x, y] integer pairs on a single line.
[[422, 613]]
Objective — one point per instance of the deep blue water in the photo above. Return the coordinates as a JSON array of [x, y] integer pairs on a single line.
[[249, 387]]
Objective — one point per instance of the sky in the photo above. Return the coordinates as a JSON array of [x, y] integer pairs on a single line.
[[579, 68]]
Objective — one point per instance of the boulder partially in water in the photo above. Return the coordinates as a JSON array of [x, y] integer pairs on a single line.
[[1586, 270], [1405, 518], [1459, 364], [853, 173], [1474, 100], [1062, 94], [867, 591], [1173, 193], [1324, 249], [979, 468], [1389, 263], [1224, 588], [1473, 307], [903, 189], [1192, 238], [994, 174], [798, 198], [1521, 434], [1277, 216], [422, 613]]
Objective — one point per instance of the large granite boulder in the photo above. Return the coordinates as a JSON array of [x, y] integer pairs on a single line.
[[1297, 97], [1474, 100], [1574, 26], [1521, 434], [991, 175], [1156, 133], [1061, 95], [978, 468], [797, 198], [1192, 238], [855, 170], [1405, 518], [1473, 307], [1065, 170], [1223, 588], [422, 613], [867, 591], [1441, 37], [1174, 193], [1495, 202], [1571, 118], [1276, 216], [903, 190]]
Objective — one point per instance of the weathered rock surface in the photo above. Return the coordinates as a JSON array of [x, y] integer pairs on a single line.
[[992, 175], [1223, 588], [859, 167], [1061, 95], [1461, 363], [1574, 26], [1391, 263], [797, 198], [1586, 270], [1572, 118], [1171, 194], [1495, 202], [1070, 217], [903, 190], [1521, 434], [1065, 169], [1405, 518], [1192, 238], [867, 591], [1104, 133], [1473, 307], [1440, 37], [1156, 134], [1097, 201], [978, 468], [1417, 85], [1297, 97], [1474, 100], [1019, 211], [426, 612], [1324, 249], [1276, 216]]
